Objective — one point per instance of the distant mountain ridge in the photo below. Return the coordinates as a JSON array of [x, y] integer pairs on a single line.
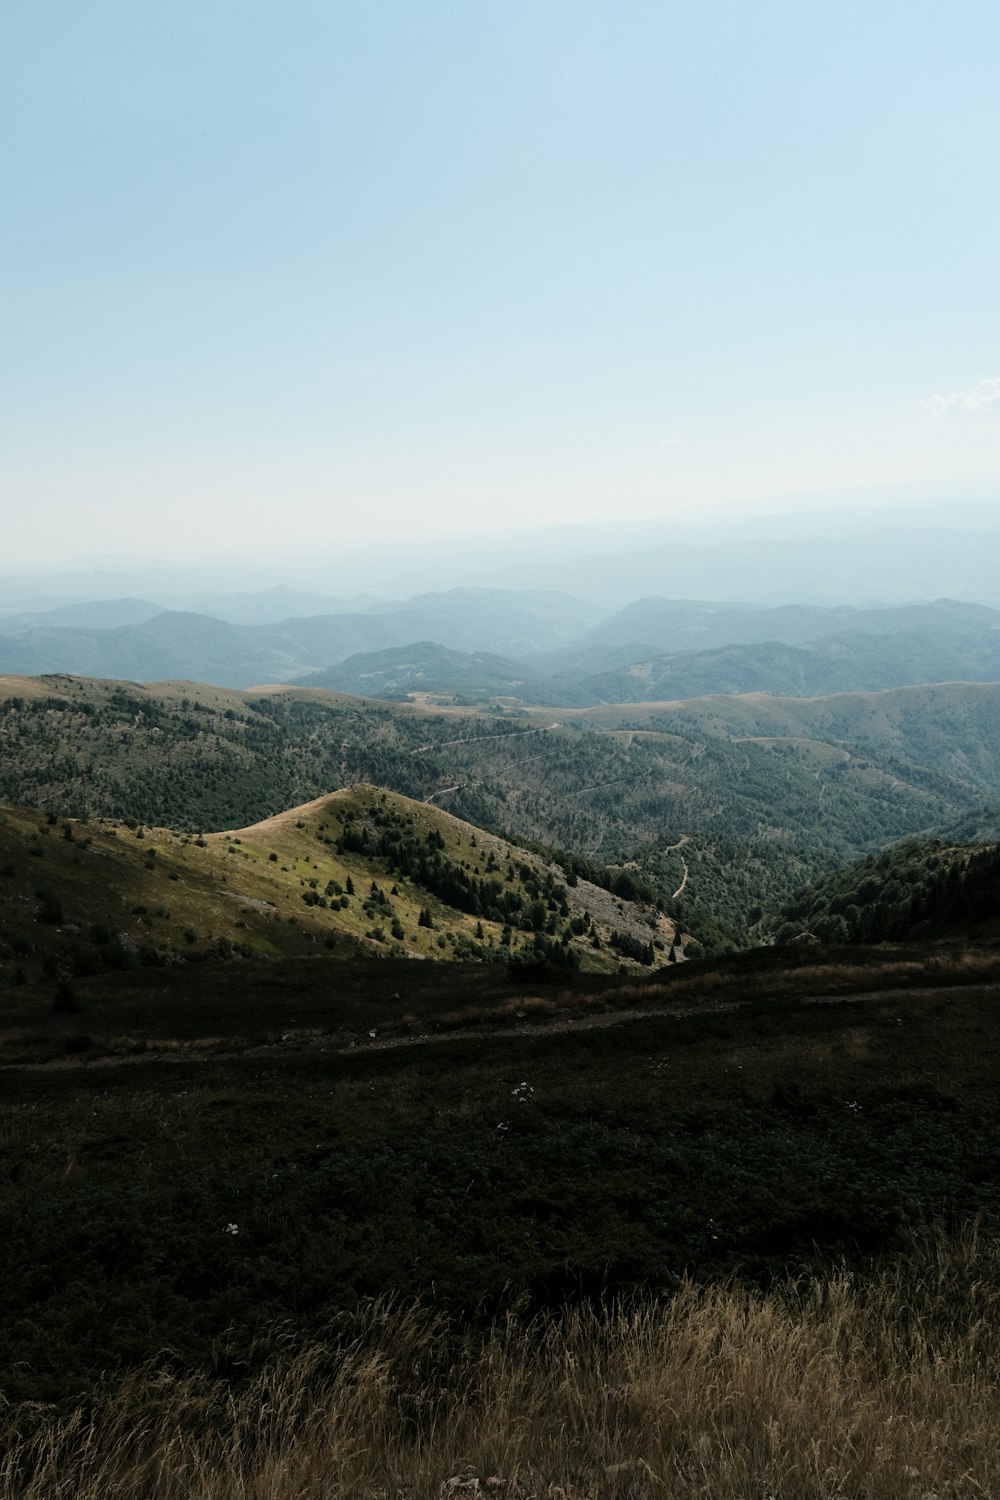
[[527, 647], [860, 547], [424, 668], [98, 614], [862, 650], [700, 625], [180, 643]]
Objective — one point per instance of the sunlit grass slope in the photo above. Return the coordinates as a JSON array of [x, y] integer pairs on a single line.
[[360, 873]]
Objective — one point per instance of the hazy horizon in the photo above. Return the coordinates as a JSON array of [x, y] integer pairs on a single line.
[[866, 511], [864, 555]]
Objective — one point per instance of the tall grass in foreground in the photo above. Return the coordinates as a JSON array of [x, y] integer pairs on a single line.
[[877, 1389]]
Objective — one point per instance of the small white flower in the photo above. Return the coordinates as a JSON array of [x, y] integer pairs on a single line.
[[232, 1229]]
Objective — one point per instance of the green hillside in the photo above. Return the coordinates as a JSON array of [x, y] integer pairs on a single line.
[[922, 888], [842, 663], [360, 873], [725, 806], [950, 727]]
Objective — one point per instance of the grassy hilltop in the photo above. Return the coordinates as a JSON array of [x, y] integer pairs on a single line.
[[361, 873]]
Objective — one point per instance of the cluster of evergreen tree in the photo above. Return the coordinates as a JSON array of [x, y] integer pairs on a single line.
[[480, 892], [630, 947], [548, 951], [914, 888]]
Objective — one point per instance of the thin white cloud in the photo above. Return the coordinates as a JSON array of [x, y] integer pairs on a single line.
[[982, 401]]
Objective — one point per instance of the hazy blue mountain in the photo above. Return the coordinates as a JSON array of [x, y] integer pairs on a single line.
[[425, 667], [664, 624], [890, 565], [96, 614], [555, 647], [171, 644], [837, 664], [181, 643], [510, 622], [698, 624], [879, 545]]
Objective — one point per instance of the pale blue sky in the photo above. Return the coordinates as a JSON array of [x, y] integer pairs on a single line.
[[281, 274]]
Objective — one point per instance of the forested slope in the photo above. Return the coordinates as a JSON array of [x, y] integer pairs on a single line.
[[920, 888], [730, 804]]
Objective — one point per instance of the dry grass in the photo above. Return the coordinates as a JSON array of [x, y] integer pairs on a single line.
[[808, 981], [805, 982], [879, 1391]]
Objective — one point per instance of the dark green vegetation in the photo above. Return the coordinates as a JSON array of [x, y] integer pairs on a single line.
[[226, 1129], [920, 888], [187, 1210], [767, 792]]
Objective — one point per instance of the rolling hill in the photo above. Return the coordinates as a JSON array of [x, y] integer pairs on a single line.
[[361, 872], [672, 625], [97, 614], [428, 670], [724, 805], [949, 727]]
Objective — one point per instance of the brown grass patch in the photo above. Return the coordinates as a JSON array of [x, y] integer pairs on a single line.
[[886, 1391]]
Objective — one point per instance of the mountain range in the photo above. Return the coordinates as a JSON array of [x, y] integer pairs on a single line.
[[516, 647], [179, 643]]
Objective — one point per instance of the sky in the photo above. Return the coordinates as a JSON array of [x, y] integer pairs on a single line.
[[278, 278]]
